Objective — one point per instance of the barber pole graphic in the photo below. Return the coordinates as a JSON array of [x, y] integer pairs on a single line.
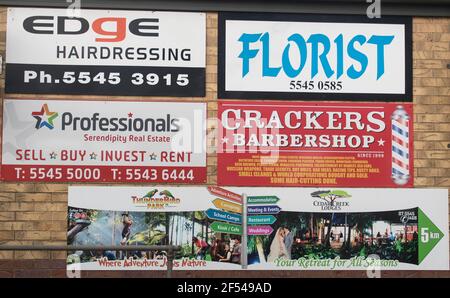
[[400, 146]]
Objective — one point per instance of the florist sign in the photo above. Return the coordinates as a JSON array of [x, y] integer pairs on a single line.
[[277, 56]]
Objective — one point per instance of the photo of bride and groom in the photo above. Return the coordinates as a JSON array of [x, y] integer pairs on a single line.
[[344, 235], [281, 246]]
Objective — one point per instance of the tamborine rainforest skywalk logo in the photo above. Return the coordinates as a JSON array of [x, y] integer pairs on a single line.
[[156, 200], [329, 199], [44, 117]]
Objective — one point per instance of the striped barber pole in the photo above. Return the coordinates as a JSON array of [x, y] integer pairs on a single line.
[[400, 146]]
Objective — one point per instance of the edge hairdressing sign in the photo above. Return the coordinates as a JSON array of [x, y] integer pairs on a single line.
[[105, 52], [274, 56]]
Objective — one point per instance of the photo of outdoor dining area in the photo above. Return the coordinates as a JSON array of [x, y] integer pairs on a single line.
[[392, 235]]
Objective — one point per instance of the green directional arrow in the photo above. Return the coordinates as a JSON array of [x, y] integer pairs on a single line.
[[262, 199], [222, 227], [261, 220], [429, 235]]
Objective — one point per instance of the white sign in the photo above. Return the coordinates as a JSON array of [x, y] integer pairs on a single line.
[[47, 48], [155, 215], [288, 228], [57, 140], [306, 57], [356, 228]]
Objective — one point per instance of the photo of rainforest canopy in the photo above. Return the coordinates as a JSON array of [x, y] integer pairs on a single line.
[[190, 230]]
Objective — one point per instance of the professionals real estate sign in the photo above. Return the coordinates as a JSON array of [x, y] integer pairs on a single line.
[[308, 229], [315, 144], [288, 56], [105, 52], [98, 141]]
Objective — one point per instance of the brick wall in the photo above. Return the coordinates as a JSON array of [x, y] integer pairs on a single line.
[[35, 213]]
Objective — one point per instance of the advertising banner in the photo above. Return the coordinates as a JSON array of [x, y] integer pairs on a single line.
[[350, 229], [105, 52], [99, 141], [156, 215], [315, 144], [307, 57], [287, 228]]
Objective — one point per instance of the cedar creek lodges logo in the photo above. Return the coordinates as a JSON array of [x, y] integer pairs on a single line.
[[156, 200], [330, 199]]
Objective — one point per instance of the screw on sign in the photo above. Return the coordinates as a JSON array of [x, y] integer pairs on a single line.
[[400, 146]]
